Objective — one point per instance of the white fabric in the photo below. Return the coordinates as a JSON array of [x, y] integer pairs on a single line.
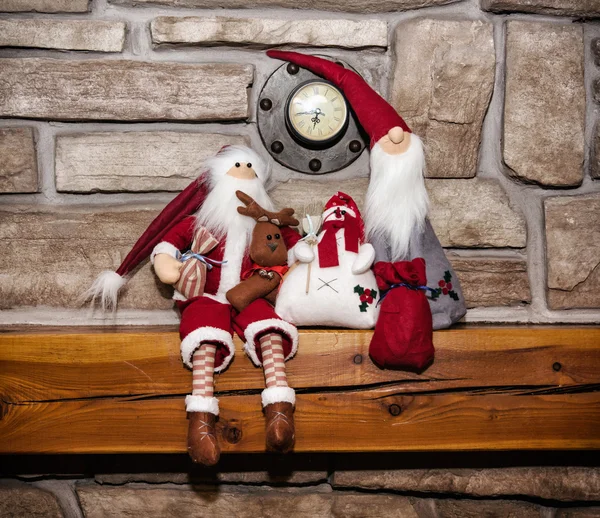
[[278, 395], [204, 334], [106, 289], [259, 327], [164, 247], [202, 404], [336, 304]]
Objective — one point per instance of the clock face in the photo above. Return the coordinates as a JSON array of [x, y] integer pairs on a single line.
[[316, 112]]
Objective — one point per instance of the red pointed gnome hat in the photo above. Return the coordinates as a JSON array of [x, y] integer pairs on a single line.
[[375, 114]]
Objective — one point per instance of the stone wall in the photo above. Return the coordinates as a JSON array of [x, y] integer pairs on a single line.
[[108, 106], [312, 489]]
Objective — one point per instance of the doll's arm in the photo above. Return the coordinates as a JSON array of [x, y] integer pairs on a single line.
[[364, 260], [164, 257]]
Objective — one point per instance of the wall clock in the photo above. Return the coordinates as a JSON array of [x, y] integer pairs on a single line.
[[305, 122]]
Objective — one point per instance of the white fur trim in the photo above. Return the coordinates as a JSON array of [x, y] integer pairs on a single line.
[[269, 324], [164, 247], [202, 404], [106, 289], [192, 341], [278, 395]]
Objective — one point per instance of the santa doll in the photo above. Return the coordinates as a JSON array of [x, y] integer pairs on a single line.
[[397, 226], [333, 284], [206, 215]]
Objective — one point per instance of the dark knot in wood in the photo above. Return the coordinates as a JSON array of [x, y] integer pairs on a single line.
[[557, 366], [395, 410], [232, 433], [358, 359]]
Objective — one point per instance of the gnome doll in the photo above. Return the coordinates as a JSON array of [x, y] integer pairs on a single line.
[[409, 257], [203, 222], [333, 284]]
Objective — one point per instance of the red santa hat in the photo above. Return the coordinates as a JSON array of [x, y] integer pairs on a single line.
[[341, 199], [107, 285], [375, 114]]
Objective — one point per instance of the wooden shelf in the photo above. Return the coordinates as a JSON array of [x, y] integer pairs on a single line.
[[121, 390]]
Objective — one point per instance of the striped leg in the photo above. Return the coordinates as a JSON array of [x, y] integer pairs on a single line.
[[203, 408], [203, 370], [271, 346]]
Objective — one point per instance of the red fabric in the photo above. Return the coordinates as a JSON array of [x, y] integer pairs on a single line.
[[328, 255], [403, 337], [290, 236], [258, 311], [204, 312], [281, 270], [184, 204], [341, 199], [375, 114]]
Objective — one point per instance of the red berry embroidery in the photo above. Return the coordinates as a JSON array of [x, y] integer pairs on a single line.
[[368, 292], [370, 300], [449, 285], [445, 291], [442, 283], [363, 298]]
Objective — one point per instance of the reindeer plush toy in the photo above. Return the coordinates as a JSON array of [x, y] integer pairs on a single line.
[[267, 251]]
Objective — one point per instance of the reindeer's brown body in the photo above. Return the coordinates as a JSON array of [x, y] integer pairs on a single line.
[[267, 250]]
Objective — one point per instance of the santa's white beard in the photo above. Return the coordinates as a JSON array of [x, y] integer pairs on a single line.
[[397, 201], [218, 212]]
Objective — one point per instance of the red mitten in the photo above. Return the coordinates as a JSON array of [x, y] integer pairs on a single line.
[[403, 337]]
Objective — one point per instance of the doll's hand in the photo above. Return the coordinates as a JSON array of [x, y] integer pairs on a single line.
[[167, 268], [364, 259], [304, 252]]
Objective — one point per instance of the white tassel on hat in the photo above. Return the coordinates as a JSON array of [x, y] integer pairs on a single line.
[[105, 289]]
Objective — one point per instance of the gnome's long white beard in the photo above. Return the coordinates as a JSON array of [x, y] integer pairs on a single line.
[[397, 201], [218, 212]]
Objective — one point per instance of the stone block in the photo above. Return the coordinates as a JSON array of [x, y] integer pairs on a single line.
[[348, 505], [45, 6], [492, 508], [97, 502], [573, 251], [134, 161], [123, 90], [52, 255], [269, 32], [349, 6], [474, 214], [548, 483], [18, 161], [579, 8], [23, 501], [464, 213], [95, 35], [443, 81], [492, 281], [544, 112]]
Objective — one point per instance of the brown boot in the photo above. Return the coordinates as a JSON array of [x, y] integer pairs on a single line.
[[203, 446], [280, 429]]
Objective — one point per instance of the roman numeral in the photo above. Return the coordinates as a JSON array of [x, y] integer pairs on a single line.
[[301, 123], [316, 90]]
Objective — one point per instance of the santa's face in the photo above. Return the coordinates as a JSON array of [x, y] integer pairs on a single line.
[[242, 171], [395, 142]]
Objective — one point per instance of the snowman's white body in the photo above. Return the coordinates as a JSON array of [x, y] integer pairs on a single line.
[[331, 299]]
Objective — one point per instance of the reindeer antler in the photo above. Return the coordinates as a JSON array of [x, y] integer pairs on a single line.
[[283, 218]]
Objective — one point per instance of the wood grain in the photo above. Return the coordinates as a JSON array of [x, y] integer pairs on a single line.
[[60, 365], [121, 390], [337, 422]]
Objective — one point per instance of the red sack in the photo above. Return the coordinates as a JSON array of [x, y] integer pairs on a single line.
[[403, 337]]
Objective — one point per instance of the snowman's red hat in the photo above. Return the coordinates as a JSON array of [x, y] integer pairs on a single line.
[[341, 199], [375, 114]]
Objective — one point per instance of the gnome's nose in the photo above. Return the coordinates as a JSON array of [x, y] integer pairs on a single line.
[[273, 246]]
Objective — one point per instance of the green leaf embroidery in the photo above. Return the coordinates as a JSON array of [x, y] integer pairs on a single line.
[[447, 276], [359, 289]]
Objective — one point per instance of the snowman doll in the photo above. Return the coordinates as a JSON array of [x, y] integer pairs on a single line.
[[332, 283]]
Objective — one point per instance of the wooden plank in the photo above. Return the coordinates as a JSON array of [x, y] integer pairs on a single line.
[[337, 422], [73, 364]]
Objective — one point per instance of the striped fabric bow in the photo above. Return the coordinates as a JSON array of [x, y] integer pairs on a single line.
[[193, 272]]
